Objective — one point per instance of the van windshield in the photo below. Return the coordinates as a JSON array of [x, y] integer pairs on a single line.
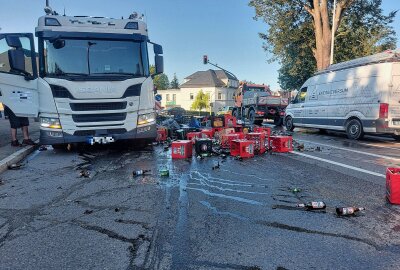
[[83, 57]]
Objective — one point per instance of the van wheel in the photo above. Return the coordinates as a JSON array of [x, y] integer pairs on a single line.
[[289, 123], [354, 129]]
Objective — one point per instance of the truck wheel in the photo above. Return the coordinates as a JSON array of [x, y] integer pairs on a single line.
[[354, 129], [289, 123], [278, 121], [252, 117]]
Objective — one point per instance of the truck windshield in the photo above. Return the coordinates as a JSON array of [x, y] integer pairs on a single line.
[[68, 58], [255, 89]]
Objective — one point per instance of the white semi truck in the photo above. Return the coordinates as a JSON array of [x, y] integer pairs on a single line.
[[89, 81]]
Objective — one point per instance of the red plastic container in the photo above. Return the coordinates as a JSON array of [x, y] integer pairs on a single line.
[[230, 121], [192, 136], [263, 129], [281, 144], [207, 133], [242, 148], [393, 185], [226, 140], [162, 134], [182, 149], [260, 140]]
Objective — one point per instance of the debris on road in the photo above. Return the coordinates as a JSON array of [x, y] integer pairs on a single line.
[[348, 211], [15, 166], [296, 190], [140, 172], [312, 205], [42, 148], [88, 212], [164, 172], [216, 166], [1, 182], [117, 209], [84, 174]]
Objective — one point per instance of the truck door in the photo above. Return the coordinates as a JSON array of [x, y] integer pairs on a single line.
[[18, 74]]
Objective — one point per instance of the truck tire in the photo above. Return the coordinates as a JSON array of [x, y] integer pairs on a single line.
[[354, 129], [278, 121], [252, 117], [289, 123]]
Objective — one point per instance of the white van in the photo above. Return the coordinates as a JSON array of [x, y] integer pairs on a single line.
[[359, 96]]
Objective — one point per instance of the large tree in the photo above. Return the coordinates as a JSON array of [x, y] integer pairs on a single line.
[[300, 33], [201, 101], [174, 82]]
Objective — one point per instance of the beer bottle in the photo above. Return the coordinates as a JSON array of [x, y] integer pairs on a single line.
[[140, 172], [347, 211], [312, 205]]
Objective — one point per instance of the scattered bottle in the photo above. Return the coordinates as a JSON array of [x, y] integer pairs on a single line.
[[140, 172], [84, 174], [312, 205], [347, 211], [296, 190], [164, 172], [216, 166]]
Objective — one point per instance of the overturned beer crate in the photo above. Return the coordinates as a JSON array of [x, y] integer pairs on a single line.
[[203, 147], [265, 130], [226, 140], [242, 148], [192, 136], [393, 185], [230, 121], [260, 142], [207, 133], [281, 144], [182, 149]]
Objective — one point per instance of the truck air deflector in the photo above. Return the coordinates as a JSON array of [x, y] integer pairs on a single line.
[[87, 35]]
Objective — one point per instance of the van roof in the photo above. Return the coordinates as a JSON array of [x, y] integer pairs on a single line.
[[386, 56]]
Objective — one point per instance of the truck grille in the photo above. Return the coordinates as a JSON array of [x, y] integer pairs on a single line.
[[107, 117], [110, 106], [93, 132]]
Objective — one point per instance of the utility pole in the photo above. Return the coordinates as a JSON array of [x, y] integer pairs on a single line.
[[333, 31]]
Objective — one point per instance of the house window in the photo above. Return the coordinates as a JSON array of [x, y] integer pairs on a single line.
[[191, 96], [219, 95], [167, 97]]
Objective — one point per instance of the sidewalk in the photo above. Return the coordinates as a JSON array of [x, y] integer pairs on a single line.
[[6, 150]]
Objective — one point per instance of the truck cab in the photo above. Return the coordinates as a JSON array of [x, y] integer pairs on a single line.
[[89, 81]]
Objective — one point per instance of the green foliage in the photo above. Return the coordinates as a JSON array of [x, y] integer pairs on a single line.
[[201, 101], [174, 82], [290, 38], [161, 81]]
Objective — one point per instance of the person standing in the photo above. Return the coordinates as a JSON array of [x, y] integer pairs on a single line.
[[16, 123]]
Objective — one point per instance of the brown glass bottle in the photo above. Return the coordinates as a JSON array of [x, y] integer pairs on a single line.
[[312, 205], [347, 211]]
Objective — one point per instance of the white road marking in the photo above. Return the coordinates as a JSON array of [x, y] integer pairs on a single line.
[[340, 164], [380, 146], [352, 150]]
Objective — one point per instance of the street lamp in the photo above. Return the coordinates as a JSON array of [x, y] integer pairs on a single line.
[[333, 30]]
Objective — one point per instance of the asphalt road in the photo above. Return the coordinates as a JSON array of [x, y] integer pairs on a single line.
[[241, 216]]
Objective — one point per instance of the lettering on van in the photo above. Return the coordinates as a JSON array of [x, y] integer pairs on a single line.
[[333, 92]]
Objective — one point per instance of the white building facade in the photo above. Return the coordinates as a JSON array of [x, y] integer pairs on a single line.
[[217, 84]]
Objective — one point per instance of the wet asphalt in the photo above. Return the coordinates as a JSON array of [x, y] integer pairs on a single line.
[[240, 216]]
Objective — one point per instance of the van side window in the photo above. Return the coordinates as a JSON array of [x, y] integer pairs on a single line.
[[302, 95], [4, 61]]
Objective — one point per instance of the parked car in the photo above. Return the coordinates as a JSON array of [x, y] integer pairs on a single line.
[[359, 96], [225, 110], [175, 111]]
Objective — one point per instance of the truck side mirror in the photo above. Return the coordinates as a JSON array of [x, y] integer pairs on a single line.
[[158, 49], [159, 61], [17, 60]]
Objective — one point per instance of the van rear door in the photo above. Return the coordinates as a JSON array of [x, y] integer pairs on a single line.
[[18, 74], [394, 102]]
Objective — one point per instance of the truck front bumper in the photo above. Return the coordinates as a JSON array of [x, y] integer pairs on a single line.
[[48, 137]]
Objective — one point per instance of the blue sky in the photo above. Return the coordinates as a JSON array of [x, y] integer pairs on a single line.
[[188, 29]]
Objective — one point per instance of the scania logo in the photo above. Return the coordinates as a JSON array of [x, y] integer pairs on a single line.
[[96, 90]]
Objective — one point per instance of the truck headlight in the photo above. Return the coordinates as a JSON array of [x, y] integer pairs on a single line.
[[145, 119], [47, 122]]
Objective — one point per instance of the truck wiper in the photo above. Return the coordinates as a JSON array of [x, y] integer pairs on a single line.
[[115, 73], [70, 74]]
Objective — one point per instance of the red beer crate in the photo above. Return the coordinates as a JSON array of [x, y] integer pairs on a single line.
[[393, 185], [281, 144], [207, 133], [260, 140], [226, 140], [192, 136], [230, 121], [242, 148], [162, 134], [263, 129], [182, 149]]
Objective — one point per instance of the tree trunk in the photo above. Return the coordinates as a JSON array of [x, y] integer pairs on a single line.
[[323, 28]]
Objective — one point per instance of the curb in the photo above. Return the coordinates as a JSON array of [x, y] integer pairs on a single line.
[[16, 157]]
